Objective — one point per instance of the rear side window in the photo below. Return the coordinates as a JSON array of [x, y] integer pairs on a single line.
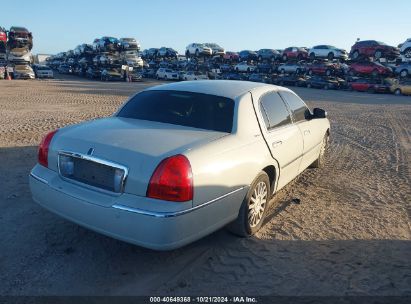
[[274, 111], [202, 111], [297, 106]]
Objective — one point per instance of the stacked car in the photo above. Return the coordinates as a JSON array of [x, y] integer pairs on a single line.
[[15, 52], [107, 59], [370, 66]]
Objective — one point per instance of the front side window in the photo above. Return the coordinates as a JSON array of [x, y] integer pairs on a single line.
[[196, 110], [297, 106], [274, 111]]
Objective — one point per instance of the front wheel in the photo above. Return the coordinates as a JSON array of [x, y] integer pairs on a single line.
[[319, 163], [253, 210]]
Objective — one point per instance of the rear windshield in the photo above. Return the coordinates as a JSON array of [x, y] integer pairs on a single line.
[[188, 109]]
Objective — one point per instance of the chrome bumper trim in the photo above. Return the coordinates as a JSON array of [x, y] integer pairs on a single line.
[[172, 214], [36, 177]]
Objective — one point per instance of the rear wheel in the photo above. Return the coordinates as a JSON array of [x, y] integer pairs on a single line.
[[407, 53], [330, 56], [378, 54], [398, 92], [404, 73], [253, 210], [319, 163], [312, 56], [355, 55]]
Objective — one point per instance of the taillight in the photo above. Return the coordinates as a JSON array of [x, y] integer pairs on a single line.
[[172, 180], [43, 152]]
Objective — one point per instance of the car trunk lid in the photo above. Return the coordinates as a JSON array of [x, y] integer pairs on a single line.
[[136, 144]]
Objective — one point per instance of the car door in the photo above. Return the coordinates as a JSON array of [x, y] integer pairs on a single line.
[[283, 138], [312, 130]]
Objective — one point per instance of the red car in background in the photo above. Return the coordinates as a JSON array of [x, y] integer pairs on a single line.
[[323, 68], [372, 48], [297, 53], [3, 36], [231, 56], [369, 68], [369, 85]]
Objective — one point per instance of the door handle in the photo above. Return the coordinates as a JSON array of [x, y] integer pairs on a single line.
[[276, 144], [307, 132]]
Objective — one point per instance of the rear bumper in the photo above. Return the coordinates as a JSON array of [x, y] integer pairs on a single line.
[[154, 230]]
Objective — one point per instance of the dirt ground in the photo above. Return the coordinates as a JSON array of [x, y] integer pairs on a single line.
[[350, 234]]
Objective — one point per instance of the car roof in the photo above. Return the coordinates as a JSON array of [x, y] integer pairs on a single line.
[[225, 88]]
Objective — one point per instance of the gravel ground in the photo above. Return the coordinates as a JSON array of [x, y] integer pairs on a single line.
[[350, 235]]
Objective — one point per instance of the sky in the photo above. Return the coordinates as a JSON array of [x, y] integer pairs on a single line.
[[234, 24]]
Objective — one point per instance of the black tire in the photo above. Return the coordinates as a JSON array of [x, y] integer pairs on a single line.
[[375, 73], [404, 73], [248, 70], [407, 53], [285, 58], [320, 161], [260, 58], [355, 55], [330, 56], [309, 85], [300, 57], [282, 71], [371, 90], [326, 87], [312, 56], [378, 54], [310, 72], [187, 54], [249, 221], [197, 53], [328, 72], [398, 92]]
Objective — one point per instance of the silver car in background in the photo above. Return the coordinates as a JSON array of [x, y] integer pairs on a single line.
[[179, 161]]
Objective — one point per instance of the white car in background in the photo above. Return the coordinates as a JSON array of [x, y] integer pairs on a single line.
[[405, 50], [244, 67], [43, 71], [19, 55], [198, 49], [327, 51], [23, 71], [216, 49], [166, 74], [132, 58], [193, 75]]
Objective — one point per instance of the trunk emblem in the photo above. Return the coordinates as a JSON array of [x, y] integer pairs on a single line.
[[90, 151]]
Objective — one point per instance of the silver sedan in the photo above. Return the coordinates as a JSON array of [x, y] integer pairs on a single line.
[[179, 161]]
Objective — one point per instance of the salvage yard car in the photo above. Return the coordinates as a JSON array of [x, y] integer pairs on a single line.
[[42, 71], [179, 161], [244, 67], [166, 74], [23, 71], [327, 51]]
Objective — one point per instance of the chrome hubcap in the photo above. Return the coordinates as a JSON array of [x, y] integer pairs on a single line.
[[258, 202]]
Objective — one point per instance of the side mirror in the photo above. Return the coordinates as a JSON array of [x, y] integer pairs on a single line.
[[319, 113]]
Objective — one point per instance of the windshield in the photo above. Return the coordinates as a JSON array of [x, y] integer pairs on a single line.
[[188, 109]]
